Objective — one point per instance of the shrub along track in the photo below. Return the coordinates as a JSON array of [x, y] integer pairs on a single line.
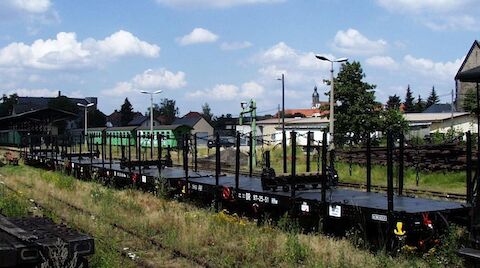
[[142, 263]]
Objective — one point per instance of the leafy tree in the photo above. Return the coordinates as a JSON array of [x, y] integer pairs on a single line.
[[6, 107], [207, 113], [408, 105], [126, 112], [63, 103], [357, 112], [433, 98], [420, 105], [96, 118], [470, 101], [393, 102], [394, 121], [168, 110]]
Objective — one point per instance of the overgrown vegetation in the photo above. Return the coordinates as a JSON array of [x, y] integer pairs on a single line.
[[220, 239]]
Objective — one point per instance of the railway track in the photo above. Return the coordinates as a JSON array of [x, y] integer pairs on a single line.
[[175, 253]]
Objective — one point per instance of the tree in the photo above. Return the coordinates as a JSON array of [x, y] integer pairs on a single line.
[[63, 103], [469, 101], [168, 110], [393, 102], [433, 98], [408, 105], [357, 114], [96, 118], [420, 105], [126, 112], [6, 107], [207, 113], [394, 121]]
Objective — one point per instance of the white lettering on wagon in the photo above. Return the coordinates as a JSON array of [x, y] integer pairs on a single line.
[[379, 217], [335, 211], [305, 207]]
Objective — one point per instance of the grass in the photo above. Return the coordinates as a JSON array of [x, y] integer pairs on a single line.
[[220, 239]]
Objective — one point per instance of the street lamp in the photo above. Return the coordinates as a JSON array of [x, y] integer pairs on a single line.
[[332, 98], [151, 106], [284, 136], [85, 106]]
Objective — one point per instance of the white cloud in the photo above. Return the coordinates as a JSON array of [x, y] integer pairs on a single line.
[[382, 62], [352, 42], [423, 5], [300, 68], [197, 36], [65, 52], [435, 70], [218, 92], [465, 22], [235, 45], [30, 6], [279, 52], [38, 92], [148, 80], [438, 15], [214, 3], [252, 90], [230, 92], [154, 79], [122, 43]]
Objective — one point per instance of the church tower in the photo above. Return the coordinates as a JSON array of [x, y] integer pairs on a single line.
[[315, 99]]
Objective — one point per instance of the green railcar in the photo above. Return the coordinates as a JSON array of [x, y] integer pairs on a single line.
[[120, 135], [10, 137], [172, 135], [97, 133]]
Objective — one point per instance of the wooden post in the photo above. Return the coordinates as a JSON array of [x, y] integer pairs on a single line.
[[401, 152], [237, 161], [293, 137], [369, 163], [469, 168], [309, 139]]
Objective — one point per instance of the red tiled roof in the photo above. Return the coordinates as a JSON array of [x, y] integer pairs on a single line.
[[305, 112]]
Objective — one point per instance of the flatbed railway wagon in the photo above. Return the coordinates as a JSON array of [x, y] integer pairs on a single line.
[[312, 197]]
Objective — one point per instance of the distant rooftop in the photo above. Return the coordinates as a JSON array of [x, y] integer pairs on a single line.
[[440, 108]]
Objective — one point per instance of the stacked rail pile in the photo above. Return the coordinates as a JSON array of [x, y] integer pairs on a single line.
[[448, 157]]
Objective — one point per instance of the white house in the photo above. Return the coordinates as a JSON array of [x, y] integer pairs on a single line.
[[422, 124]]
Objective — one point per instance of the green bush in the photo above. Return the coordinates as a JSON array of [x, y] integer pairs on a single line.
[[13, 205]]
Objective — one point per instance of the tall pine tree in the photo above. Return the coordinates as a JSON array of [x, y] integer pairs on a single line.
[[408, 105], [433, 98], [420, 105], [126, 112], [393, 102]]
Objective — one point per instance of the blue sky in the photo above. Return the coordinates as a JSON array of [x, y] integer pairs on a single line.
[[225, 51]]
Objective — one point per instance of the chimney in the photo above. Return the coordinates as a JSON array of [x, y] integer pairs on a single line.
[[59, 93]]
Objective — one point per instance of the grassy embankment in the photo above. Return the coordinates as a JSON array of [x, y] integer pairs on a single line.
[[219, 239]]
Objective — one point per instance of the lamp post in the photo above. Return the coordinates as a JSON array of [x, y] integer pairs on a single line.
[[332, 97], [85, 106], [284, 137], [151, 106]]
